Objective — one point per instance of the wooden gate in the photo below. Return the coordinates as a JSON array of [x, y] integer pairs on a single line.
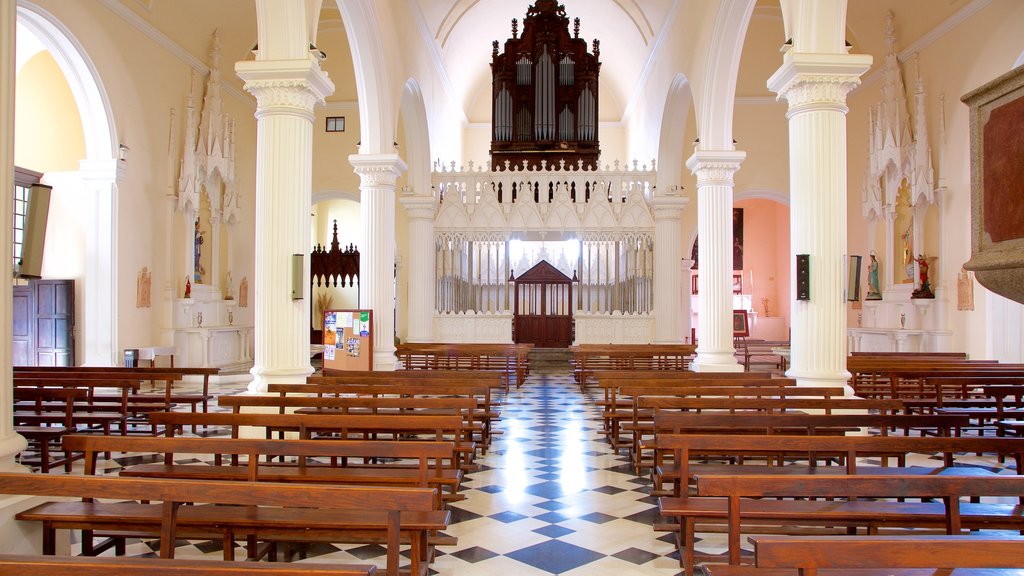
[[543, 308]]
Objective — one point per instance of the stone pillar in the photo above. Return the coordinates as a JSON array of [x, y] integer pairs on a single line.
[[714, 170], [816, 86], [377, 176], [100, 178], [11, 443], [420, 211], [685, 299], [668, 247], [286, 92]]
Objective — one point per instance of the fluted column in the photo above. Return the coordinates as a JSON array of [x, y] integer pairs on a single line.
[[10, 442], [714, 170], [816, 86], [420, 211], [377, 176], [286, 92], [668, 248]]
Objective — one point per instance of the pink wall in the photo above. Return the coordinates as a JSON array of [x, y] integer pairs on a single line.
[[766, 255]]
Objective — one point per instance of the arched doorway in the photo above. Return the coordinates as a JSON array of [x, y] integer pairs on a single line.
[[543, 308]]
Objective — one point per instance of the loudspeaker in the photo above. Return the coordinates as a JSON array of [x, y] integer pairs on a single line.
[[37, 210], [803, 277], [297, 283]]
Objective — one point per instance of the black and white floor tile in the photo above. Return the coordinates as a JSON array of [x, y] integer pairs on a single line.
[[551, 497]]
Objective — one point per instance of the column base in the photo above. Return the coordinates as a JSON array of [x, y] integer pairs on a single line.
[[385, 360], [26, 537], [262, 378], [812, 378], [715, 362]]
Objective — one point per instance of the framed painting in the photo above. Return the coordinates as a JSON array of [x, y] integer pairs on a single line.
[[740, 326], [737, 282]]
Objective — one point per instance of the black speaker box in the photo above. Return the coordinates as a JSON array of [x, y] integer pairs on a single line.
[[803, 277]]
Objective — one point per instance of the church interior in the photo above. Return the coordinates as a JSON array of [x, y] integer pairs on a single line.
[[249, 198]]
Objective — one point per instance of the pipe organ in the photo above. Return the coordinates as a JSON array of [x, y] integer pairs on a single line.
[[544, 94]]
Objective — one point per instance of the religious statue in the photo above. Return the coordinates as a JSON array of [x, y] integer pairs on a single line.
[[243, 292], [188, 286], [227, 287], [925, 289], [198, 242], [874, 292], [143, 289], [964, 290]]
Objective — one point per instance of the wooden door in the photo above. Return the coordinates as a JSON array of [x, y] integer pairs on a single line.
[[543, 308], [44, 322]]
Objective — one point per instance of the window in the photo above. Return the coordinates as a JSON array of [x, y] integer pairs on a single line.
[[23, 181], [335, 123]]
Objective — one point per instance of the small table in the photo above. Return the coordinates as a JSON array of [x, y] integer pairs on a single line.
[[151, 352]]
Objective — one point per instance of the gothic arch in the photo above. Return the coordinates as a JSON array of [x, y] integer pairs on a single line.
[[678, 104], [717, 98], [416, 137], [376, 114], [98, 173]]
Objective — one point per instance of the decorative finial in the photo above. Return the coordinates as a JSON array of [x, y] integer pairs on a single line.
[[494, 49], [515, 28], [576, 27], [597, 48]]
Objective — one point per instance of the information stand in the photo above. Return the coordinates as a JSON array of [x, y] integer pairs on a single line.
[[348, 340]]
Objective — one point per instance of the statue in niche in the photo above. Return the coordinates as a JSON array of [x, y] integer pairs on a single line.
[[925, 290], [198, 244], [908, 250], [243, 292], [227, 287], [874, 292], [143, 288]]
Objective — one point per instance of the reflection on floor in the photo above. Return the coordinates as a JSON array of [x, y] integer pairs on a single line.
[[551, 498]]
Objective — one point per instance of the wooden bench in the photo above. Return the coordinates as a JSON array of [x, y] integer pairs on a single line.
[[268, 512], [27, 565], [775, 454], [844, 506], [670, 463], [753, 351], [394, 463], [70, 407], [510, 359], [879, 556], [588, 358], [345, 427]]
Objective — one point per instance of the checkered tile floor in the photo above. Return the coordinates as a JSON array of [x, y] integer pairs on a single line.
[[551, 497]]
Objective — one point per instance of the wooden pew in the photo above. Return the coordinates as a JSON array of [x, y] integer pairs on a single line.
[[27, 565], [41, 405], [510, 359], [408, 463], [948, 513], [267, 511], [42, 434], [690, 510], [341, 427], [588, 358], [670, 463], [776, 452], [879, 556]]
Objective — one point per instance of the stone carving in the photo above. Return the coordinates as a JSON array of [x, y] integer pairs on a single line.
[[144, 289]]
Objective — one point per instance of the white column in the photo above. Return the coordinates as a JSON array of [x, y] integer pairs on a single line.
[[286, 92], [420, 211], [714, 170], [377, 176], [668, 247], [816, 86], [99, 178], [685, 298], [10, 442]]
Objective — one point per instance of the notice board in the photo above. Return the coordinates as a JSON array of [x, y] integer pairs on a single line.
[[348, 340]]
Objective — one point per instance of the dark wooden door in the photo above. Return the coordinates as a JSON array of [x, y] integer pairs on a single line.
[[543, 308], [44, 323], [22, 350]]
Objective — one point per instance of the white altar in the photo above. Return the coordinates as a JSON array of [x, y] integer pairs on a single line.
[[211, 332]]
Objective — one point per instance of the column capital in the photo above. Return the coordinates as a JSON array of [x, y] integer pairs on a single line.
[[419, 207], [715, 167], [290, 87], [818, 81], [668, 207], [377, 169]]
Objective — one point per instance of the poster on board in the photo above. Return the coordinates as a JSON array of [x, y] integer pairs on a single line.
[[348, 335]]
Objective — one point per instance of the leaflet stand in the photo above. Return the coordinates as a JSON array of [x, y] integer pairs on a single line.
[[348, 340]]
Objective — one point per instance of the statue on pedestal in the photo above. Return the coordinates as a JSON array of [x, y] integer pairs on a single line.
[[925, 289], [874, 292]]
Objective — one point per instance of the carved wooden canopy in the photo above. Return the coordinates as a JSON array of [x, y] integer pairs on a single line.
[[545, 94]]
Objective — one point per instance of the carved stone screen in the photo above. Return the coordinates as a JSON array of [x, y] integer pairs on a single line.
[[545, 94]]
